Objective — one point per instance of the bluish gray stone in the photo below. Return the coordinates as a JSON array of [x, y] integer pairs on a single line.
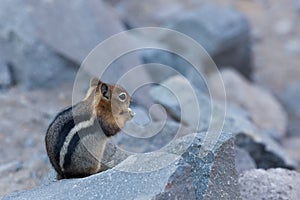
[[33, 62], [223, 32], [243, 161], [290, 99], [266, 152], [46, 41], [166, 174]]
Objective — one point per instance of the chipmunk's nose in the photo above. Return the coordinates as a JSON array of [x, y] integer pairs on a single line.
[[131, 112]]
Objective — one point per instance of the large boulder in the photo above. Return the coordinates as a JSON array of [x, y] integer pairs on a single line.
[[34, 63], [270, 184], [178, 99], [74, 28], [44, 40], [223, 32], [84, 25], [264, 109], [179, 171]]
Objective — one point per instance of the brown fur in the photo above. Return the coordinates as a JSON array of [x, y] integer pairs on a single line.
[[103, 103], [112, 112]]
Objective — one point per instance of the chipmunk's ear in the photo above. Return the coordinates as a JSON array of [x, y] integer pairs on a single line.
[[94, 82], [105, 91]]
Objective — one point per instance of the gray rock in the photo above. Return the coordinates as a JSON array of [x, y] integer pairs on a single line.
[[270, 184], [264, 109], [221, 184], [290, 99], [33, 62], [266, 152], [243, 161], [152, 137], [292, 47], [297, 7], [82, 25], [139, 13], [75, 28], [44, 40], [85, 24], [156, 175], [291, 145], [112, 2], [182, 101], [223, 32]]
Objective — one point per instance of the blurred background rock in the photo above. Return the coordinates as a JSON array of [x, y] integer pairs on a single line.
[[255, 44]]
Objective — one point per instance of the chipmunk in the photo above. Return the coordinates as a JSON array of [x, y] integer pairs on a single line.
[[76, 139]]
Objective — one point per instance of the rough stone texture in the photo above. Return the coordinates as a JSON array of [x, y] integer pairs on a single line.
[[223, 32], [290, 99], [156, 175], [266, 152], [264, 110], [271, 184]]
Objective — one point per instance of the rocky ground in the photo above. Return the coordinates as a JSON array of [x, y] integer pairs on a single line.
[[256, 45]]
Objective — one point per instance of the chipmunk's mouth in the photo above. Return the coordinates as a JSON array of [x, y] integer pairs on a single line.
[[128, 111], [131, 112]]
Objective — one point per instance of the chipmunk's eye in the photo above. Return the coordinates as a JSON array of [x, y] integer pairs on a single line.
[[122, 96]]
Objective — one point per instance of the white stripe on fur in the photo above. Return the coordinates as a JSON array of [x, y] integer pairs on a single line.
[[69, 137]]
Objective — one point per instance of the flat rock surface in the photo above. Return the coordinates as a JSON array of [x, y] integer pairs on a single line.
[[167, 174], [270, 184]]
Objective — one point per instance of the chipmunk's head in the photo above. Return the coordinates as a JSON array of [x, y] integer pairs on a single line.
[[111, 103]]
